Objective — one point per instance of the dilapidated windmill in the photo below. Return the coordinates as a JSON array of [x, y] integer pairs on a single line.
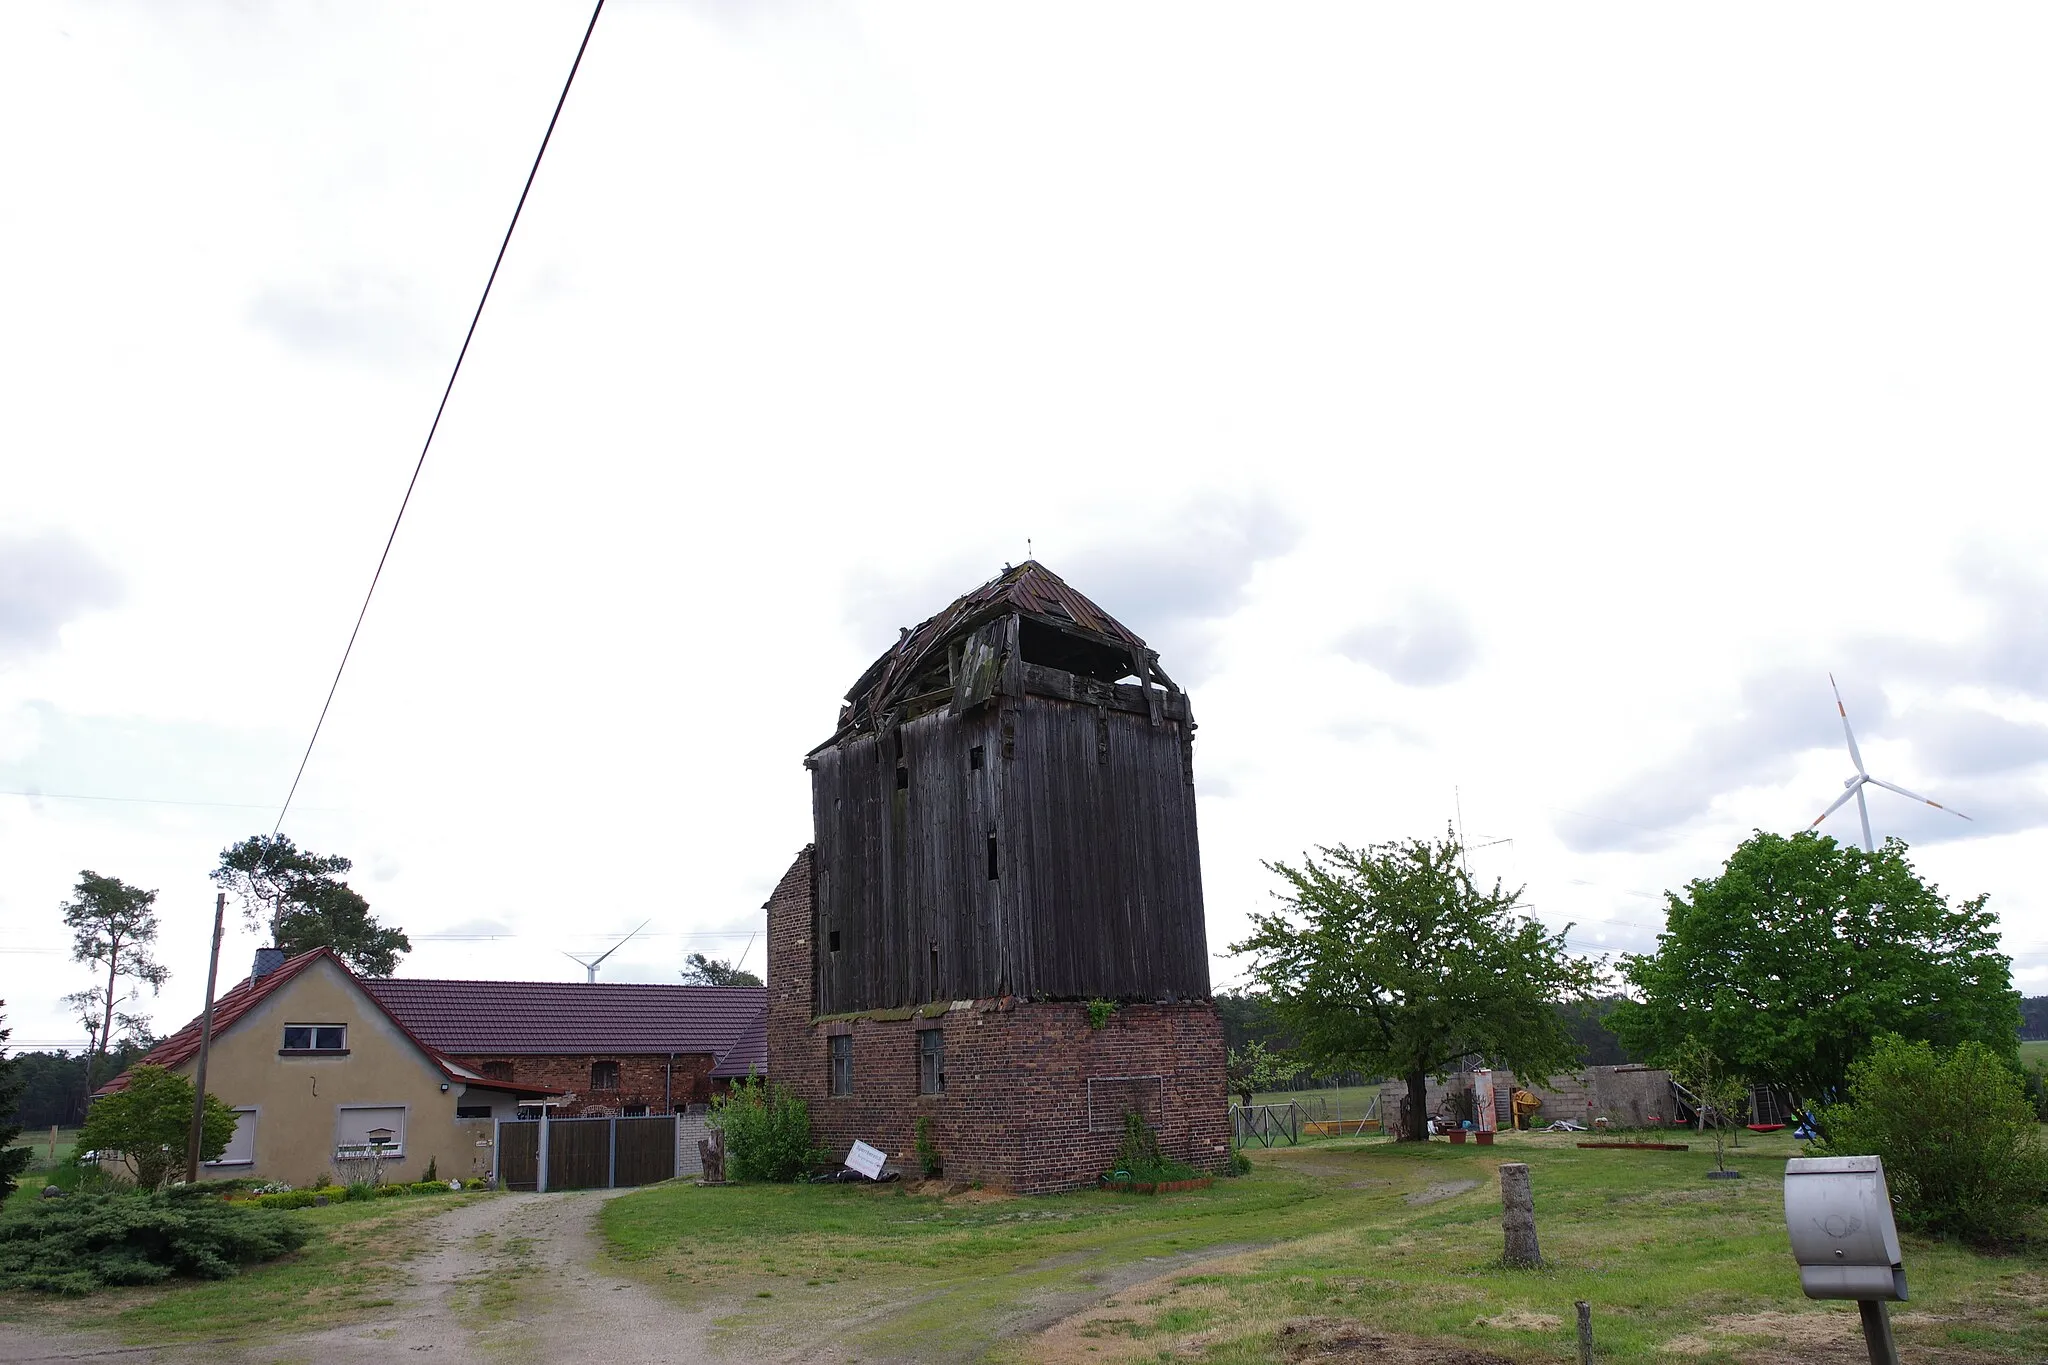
[[1854, 785]]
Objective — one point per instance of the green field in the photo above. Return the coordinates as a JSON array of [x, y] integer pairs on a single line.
[[39, 1143], [1351, 1236], [2032, 1054]]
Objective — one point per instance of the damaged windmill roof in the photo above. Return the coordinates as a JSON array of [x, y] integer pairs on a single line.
[[1060, 628]]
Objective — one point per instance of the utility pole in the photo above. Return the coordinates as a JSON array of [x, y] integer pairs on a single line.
[[220, 906]]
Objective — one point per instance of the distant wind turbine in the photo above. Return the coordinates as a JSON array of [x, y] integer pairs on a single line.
[[591, 964], [1854, 785]]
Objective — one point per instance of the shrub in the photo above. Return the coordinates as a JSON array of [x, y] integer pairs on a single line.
[[1138, 1156], [288, 1199], [927, 1150], [387, 1191], [433, 1175], [1961, 1144], [1240, 1164], [429, 1187], [1099, 1012], [77, 1245], [767, 1130]]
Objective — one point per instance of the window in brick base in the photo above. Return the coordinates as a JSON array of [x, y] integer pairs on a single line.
[[840, 1050], [604, 1075], [931, 1062], [1111, 1097]]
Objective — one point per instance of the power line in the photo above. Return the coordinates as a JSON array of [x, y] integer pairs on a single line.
[[151, 800], [427, 445]]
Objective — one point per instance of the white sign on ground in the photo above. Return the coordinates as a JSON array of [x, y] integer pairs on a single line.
[[867, 1160]]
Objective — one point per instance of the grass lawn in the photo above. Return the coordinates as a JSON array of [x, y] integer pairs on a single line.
[[39, 1142], [2031, 1053], [351, 1267], [1340, 1237]]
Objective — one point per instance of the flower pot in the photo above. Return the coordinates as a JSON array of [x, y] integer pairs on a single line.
[[1483, 1139], [1458, 1135]]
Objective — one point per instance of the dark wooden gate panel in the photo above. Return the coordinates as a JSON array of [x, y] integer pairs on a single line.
[[646, 1151], [519, 1155], [579, 1153]]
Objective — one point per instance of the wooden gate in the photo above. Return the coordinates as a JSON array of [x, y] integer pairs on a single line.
[[585, 1154]]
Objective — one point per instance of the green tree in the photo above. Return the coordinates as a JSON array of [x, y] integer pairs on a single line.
[[301, 899], [1718, 1093], [699, 970], [1961, 1144], [113, 928], [1803, 951], [1390, 959], [13, 1159], [1250, 1069], [148, 1125]]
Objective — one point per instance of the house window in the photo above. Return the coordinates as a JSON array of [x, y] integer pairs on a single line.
[[931, 1062], [362, 1130], [241, 1148], [496, 1071], [314, 1038], [841, 1053], [472, 1111], [604, 1075]]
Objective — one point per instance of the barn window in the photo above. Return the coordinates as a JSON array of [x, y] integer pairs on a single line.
[[995, 871], [604, 1075], [497, 1071], [832, 941], [977, 757], [841, 1052], [931, 1062], [902, 779]]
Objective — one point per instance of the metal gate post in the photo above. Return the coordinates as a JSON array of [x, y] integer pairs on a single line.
[[611, 1171], [675, 1144], [496, 1180], [540, 1179]]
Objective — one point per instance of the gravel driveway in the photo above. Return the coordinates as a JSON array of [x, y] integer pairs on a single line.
[[503, 1279]]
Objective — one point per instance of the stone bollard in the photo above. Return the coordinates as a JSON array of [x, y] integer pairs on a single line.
[[1518, 1214]]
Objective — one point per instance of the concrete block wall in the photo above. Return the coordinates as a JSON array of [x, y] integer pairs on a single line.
[[1628, 1096]]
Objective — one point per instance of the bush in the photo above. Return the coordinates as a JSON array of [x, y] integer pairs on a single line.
[[286, 1199], [927, 1149], [767, 1131], [1961, 1144], [1240, 1164], [89, 1241], [149, 1124], [1138, 1156], [429, 1187]]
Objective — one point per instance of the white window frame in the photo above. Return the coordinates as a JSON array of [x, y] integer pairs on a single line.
[[287, 1049], [253, 1113], [344, 1151]]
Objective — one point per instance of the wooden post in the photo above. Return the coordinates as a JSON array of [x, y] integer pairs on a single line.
[[1585, 1332], [198, 1133], [1877, 1332], [1518, 1214]]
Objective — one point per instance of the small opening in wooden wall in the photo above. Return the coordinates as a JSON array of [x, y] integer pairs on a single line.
[[832, 941], [977, 758], [994, 866], [902, 779]]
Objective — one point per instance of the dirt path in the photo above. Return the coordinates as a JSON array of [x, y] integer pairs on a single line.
[[506, 1279]]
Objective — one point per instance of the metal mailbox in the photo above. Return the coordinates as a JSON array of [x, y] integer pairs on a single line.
[[1839, 1215]]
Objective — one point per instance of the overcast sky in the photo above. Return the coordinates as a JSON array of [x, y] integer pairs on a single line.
[[1519, 407]]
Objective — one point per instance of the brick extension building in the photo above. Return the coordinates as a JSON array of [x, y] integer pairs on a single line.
[[1005, 832], [616, 1047]]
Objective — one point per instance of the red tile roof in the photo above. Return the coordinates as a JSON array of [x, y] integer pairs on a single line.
[[245, 995], [471, 1018], [748, 1055]]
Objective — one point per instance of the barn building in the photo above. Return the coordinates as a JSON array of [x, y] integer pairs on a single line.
[[1005, 848]]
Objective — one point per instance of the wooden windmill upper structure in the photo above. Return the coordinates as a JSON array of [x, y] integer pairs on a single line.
[[1007, 810]]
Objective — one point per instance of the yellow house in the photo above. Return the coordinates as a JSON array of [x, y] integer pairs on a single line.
[[324, 1081]]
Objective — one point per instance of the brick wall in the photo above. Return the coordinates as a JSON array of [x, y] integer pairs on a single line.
[[643, 1078], [1016, 1112]]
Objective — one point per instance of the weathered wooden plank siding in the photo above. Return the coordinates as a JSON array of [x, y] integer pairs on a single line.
[[1098, 887]]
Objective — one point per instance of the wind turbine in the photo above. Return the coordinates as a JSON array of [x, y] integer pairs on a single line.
[[591, 964], [1854, 785]]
